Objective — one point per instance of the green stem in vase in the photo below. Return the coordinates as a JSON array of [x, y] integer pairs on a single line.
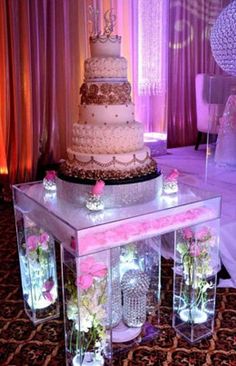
[[71, 338], [77, 340]]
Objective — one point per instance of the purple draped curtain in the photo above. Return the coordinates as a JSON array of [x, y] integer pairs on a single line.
[[189, 54]]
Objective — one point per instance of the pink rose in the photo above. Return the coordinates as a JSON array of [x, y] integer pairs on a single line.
[[43, 240], [187, 233], [32, 242], [50, 175], [44, 237], [172, 176], [97, 189], [89, 269], [195, 250], [84, 281], [202, 234]]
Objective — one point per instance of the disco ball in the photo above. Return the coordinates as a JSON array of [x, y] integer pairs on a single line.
[[223, 39]]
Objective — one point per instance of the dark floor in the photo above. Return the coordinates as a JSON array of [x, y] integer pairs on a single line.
[[23, 344]]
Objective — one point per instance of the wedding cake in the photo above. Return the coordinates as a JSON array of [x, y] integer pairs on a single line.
[[107, 142]]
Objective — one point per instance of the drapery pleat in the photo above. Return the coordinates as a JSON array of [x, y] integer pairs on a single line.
[[15, 89], [43, 45], [189, 54], [42, 48]]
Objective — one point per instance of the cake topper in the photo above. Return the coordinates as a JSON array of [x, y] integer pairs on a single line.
[[93, 15], [110, 21]]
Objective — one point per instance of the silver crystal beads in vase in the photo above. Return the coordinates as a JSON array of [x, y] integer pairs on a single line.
[[134, 284], [116, 306]]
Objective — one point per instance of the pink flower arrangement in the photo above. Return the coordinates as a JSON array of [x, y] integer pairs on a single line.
[[97, 189], [202, 234], [35, 241], [197, 241], [32, 243], [89, 269]]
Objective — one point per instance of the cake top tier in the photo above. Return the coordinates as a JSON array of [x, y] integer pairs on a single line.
[[104, 45]]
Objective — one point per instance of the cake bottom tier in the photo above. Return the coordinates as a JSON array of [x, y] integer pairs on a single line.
[[118, 195], [110, 167]]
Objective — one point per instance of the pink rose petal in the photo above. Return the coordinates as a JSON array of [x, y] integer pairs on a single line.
[[84, 281], [98, 270]]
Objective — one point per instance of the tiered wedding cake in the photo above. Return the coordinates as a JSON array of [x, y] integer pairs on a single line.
[[107, 142]]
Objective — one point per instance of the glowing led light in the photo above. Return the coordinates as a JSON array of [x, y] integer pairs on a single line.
[[195, 316], [41, 302], [49, 196], [88, 360]]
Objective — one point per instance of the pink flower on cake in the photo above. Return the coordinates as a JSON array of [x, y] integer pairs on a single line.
[[97, 189], [89, 269]]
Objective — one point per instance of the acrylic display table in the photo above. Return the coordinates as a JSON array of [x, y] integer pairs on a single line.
[[111, 266]]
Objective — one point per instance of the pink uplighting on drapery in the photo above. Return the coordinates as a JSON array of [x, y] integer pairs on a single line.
[[189, 54], [43, 45], [42, 48]]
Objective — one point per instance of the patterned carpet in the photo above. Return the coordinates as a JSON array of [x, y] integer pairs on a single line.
[[23, 344]]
